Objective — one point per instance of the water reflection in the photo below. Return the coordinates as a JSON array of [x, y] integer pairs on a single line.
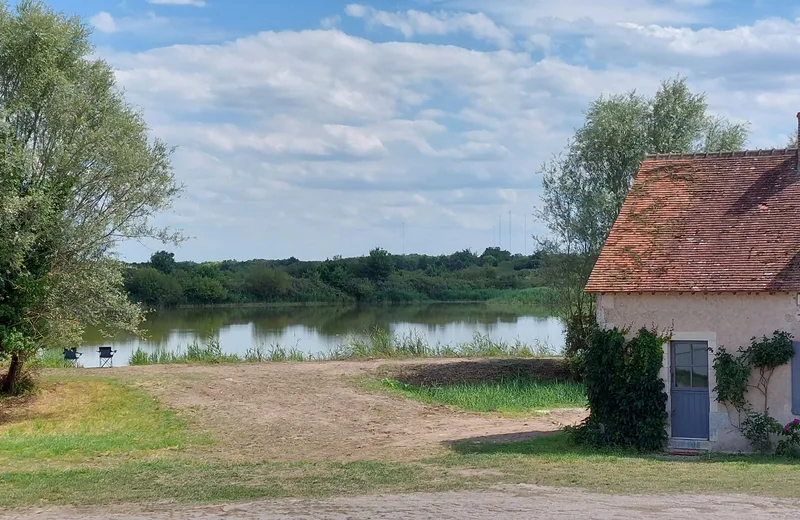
[[319, 329]]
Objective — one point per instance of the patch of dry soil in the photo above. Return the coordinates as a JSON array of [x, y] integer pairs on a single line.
[[314, 411], [509, 503]]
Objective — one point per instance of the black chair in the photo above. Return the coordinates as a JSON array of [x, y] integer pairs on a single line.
[[106, 357], [71, 356]]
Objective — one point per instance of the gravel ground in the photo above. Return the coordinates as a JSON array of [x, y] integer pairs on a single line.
[[313, 411], [507, 503]]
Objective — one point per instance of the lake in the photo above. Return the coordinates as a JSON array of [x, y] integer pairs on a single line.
[[316, 330]]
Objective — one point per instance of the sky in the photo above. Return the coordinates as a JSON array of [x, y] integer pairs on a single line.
[[314, 128]]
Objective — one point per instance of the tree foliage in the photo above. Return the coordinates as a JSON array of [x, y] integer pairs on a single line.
[[585, 185], [79, 173], [378, 266], [163, 261], [377, 277]]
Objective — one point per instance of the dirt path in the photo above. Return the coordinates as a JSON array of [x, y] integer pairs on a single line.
[[315, 411], [509, 503]]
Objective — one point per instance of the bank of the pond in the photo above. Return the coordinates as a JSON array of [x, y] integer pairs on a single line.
[[325, 332], [375, 344], [536, 296]]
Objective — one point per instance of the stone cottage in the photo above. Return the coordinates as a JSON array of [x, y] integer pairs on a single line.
[[707, 245]]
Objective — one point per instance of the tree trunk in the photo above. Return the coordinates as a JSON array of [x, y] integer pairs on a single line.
[[14, 371]]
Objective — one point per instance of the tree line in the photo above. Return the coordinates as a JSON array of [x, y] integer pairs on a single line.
[[376, 277]]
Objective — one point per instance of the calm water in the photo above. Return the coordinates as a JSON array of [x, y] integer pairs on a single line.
[[320, 329]]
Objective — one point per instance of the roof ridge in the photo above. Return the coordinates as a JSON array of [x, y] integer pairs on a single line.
[[739, 153]]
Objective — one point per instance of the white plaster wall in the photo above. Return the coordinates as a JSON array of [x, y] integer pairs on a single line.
[[724, 320]]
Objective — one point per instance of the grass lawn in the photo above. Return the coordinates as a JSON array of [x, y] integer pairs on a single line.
[[556, 461], [92, 441], [75, 420], [549, 461], [517, 395]]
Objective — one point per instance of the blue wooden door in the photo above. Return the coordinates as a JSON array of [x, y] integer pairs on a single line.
[[689, 388]]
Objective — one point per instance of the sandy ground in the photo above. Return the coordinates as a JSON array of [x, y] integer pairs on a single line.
[[317, 411], [508, 503]]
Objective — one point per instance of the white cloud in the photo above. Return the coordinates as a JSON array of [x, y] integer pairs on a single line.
[[774, 36], [412, 22], [322, 120], [324, 135], [330, 22], [195, 3], [103, 22], [535, 13]]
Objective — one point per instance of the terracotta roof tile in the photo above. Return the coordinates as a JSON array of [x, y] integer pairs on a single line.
[[717, 222]]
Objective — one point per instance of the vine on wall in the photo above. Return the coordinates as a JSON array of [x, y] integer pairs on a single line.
[[627, 400], [734, 374]]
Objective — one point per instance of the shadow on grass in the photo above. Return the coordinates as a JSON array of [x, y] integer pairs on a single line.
[[560, 445], [481, 371], [480, 444]]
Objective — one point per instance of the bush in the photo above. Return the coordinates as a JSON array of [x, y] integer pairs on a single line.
[[790, 446], [626, 395], [758, 428], [579, 330]]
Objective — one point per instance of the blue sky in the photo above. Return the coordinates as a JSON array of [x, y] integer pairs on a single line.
[[314, 128]]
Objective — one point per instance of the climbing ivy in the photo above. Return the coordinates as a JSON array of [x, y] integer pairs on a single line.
[[733, 375], [626, 395], [733, 372]]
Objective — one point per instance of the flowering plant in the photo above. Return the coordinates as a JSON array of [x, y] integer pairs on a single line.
[[790, 445]]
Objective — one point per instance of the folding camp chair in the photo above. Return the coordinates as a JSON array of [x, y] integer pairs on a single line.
[[106, 357], [71, 356]]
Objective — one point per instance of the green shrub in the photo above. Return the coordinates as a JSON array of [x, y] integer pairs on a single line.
[[626, 395], [578, 332], [758, 428], [790, 446]]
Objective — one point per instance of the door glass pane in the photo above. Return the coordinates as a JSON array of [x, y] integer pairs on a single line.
[[699, 355], [683, 377], [683, 354], [700, 377]]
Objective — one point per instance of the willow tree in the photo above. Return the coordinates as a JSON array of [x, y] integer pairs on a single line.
[[585, 186], [78, 174]]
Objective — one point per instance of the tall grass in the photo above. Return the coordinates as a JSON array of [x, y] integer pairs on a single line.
[[375, 343], [210, 353], [380, 343], [275, 353], [517, 395], [51, 358]]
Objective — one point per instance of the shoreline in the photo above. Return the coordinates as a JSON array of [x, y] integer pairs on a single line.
[[256, 305]]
